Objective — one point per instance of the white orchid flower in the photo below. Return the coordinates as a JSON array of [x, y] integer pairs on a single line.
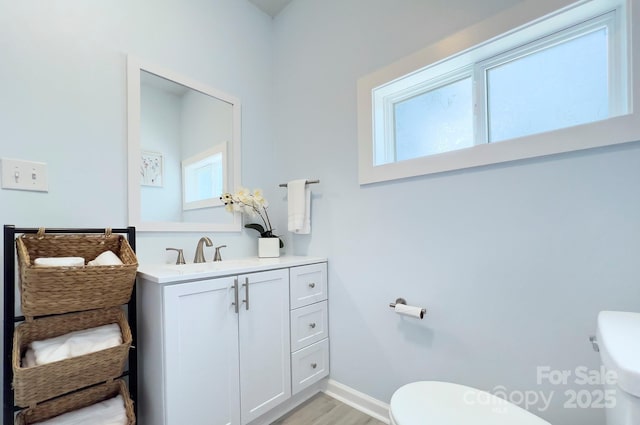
[[252, 203]]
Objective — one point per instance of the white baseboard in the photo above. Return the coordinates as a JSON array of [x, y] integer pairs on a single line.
[[347, 395], [359, 401]]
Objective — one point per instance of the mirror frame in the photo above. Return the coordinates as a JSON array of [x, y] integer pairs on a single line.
[[134, 67]]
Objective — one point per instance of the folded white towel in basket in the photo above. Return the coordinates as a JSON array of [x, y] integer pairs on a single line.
[[108, 412], [75, 344], [107, 258], [59, 262], [29, 359]]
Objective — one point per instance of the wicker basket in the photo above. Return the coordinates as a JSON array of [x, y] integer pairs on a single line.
[[78, 400], [55, 290], [39, 383]]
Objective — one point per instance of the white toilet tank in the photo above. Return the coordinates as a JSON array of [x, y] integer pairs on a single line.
[[619, 342]]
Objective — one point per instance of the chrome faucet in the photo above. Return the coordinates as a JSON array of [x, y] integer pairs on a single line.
[[199, 258]]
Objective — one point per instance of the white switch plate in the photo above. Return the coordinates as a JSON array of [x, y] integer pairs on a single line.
[[24, 175]]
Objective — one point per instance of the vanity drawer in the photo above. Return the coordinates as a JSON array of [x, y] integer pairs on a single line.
[[308, 325], [308, 284], [309, 365]]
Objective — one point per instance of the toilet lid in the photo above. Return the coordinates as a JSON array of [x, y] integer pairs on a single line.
[[444, 403]]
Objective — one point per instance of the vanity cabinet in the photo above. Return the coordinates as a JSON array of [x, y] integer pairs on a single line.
[[216, 350], [196, 351], [265, 367], [309, 325]]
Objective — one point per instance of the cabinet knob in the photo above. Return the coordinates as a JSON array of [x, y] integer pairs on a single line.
[[312, 285], [314, 365], [312, 325]]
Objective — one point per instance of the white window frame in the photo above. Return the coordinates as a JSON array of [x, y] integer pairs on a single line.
[[609, 20], [201, 159], [482, 46], [388, 96]]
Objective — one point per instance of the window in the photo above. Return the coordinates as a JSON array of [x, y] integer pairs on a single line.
[[203, 178], [526, 93], [436, 120], [555, 83]]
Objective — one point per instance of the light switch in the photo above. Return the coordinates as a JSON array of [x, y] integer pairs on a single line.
[[24, 175]]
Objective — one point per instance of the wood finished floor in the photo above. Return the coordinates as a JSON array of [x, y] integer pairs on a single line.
[[324, 410]]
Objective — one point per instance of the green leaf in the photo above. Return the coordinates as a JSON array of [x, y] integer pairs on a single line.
[[255, 226]]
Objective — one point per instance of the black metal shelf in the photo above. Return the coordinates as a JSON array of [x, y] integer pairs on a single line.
[[10, 318]]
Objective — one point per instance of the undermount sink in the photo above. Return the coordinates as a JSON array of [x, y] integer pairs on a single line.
[[214, 266], [176, 273]]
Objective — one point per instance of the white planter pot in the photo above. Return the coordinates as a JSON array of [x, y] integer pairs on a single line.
[[268, 247]]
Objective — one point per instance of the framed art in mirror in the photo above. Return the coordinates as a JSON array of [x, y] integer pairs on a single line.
[[151, 169]]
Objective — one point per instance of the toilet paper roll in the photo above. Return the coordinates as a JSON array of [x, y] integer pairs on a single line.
[[409, 310]]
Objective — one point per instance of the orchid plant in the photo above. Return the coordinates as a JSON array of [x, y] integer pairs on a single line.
[[254, 204]]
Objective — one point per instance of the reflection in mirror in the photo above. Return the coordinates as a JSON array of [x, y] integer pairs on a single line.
[[204, 178], [184, 152]]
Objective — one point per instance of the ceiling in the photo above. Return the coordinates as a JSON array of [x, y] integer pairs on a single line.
[[271, 7]]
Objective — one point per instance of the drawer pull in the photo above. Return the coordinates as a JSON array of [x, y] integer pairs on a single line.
[[314, 365], [235, 295], [246, 292], [312, 285], [312, 325]]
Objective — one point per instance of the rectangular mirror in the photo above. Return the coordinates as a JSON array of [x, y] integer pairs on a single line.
[[184, 152]]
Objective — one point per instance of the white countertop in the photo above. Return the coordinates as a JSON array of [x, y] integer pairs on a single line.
[[173, 273]]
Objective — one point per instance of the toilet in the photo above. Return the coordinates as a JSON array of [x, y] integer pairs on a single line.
[[445, 403], [618, 337]]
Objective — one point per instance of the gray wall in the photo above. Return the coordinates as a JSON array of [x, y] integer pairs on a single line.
[[512, 261]]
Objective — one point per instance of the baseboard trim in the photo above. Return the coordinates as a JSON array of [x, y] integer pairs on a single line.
[[359, 401]]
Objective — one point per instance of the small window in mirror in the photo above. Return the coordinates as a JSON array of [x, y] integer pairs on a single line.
[[203, 178]]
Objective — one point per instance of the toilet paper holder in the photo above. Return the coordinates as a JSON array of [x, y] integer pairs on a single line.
[[398, 301], [403, 301]]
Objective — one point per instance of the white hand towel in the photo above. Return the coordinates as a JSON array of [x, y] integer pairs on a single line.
[[51, 350], [59, 262], [29, 359], [95, 339], [299, 208], [108, 412], [76, 343], [107, 258]]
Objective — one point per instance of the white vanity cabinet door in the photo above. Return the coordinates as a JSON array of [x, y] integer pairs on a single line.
[[201, 353], [265, 363]]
